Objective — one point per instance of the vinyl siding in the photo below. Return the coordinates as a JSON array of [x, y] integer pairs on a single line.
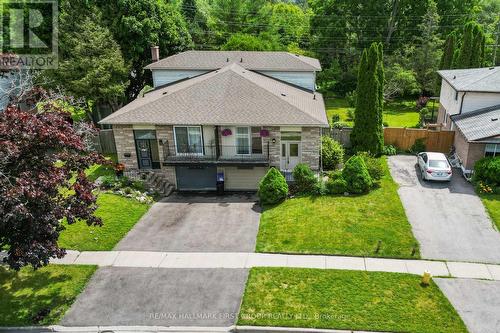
[[165, 76], [238, 179], [302, 79]]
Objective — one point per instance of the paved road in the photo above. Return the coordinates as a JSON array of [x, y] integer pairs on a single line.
[[187, 223], [448, 219], [159, 297], [476, 301]]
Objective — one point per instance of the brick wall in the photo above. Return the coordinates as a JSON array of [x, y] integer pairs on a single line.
[[125, 145], [165, 133], [311, 141], [469, 152]]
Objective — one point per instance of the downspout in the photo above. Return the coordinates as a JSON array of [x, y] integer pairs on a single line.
[[462, 102]]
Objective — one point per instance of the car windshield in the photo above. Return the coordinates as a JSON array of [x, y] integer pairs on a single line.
[[438, 164]]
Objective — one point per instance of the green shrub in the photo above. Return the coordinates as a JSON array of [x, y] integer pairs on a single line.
[[336, 186], [389, 150], [350, 97], [332, 153], [340, 125], [320, 187], [418, 146], [356, 175], [487, 170], [350, 114], [335, 118], [138, 185], [304, 178], [373, 165], [422, 116], [334, 174], [272, 188], [108, 182]]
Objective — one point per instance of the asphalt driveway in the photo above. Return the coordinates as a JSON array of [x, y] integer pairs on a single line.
[[197, 223], [159, 297], [477, 302], [448, 219]]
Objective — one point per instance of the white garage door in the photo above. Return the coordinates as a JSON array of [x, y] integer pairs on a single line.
[[243, 178]]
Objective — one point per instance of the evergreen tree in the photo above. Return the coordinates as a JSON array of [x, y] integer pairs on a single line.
[[471, 53], [449, 50], [367, 133]]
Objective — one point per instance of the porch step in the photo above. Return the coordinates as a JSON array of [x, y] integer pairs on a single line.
[[158, 183]]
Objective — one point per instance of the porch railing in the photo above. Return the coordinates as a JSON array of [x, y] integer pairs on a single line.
[[215, 153]]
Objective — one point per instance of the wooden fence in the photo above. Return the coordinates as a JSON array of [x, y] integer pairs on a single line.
[[105, 142], [404, 138]]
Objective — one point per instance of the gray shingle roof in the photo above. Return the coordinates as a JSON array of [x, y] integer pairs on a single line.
[[473, 79], [479, 124], [232, 95], [211, 60]]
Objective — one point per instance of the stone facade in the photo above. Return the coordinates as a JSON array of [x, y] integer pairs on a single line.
[[125, 145], [274, 148], [311, 145], [468, 152]]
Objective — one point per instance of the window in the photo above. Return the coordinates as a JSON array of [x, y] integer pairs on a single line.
[[242, 141], [256, 141], [290, 136], [188, 140], [492, 150]]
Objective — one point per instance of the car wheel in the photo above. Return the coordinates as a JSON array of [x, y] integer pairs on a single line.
[[422, 173]]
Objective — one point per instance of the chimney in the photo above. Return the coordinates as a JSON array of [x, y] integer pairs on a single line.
[[155, 53]]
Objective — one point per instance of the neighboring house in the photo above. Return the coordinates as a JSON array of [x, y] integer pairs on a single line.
[[470, 106], [216, 112]]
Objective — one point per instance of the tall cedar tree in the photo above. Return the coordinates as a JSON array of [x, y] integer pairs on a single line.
[[471, 52], [41, 154], [447, 57], [367, 133]]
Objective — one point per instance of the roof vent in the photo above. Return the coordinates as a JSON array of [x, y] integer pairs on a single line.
[[165, 92], [494, 119], [241, 60], [491, 68], [454, 77], [227, 59], [283, 94], [314, 96]]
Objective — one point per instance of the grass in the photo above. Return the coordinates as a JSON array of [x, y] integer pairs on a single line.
[[399, 113], [98, 170], [492, 204], [353, 300], [51, 289], [119, 215], [341, 225]]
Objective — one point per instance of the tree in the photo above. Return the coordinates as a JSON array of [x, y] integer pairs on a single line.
[[138, 26], [427, 51], [471, 52], [246, 42], [449, 50], [400, 82], [91, 63], [41, 155], [367, 133]]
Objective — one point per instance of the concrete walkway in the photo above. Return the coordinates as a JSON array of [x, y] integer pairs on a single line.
[[249, 260]]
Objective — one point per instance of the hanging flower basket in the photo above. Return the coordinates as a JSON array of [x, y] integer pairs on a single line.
[[264, 133], [226, 132]]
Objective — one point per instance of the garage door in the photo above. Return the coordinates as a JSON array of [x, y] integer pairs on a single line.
[[192, 178], [243, 178]]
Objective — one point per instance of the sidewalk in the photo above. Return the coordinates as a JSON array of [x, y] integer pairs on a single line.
[[249, 260]]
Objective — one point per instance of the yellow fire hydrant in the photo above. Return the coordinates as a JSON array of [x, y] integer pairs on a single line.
[[426, 278]]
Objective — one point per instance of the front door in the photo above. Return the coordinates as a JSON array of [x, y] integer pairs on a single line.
[[290, 155], [144, 154]]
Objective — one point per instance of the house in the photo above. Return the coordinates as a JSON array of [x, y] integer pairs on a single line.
[[470, 106], [229, 114]]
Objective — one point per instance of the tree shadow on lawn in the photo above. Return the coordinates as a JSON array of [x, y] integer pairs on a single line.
[[33, 297]]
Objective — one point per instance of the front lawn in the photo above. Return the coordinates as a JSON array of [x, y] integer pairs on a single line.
[[40, 297], [352, 300], [119, 215], [492, 204], [341, 225], [398, 113]]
